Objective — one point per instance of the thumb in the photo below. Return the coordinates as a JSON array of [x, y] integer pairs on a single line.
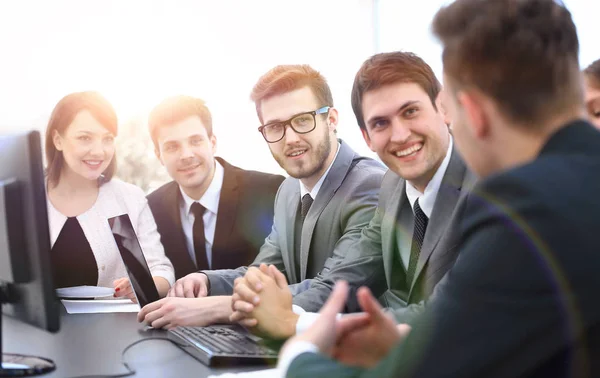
[[279, 277], [264, 268], [404, 329], [336, 300], [369, 304], [323, 332]]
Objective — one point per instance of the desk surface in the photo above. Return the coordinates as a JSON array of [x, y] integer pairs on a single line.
[[92, 344]]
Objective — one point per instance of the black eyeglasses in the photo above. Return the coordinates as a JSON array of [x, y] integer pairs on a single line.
[[301, 123]]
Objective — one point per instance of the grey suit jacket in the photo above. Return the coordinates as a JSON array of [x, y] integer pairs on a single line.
[[344, 205], [370, 262]]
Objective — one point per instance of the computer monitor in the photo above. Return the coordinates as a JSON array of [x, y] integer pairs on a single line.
[[26, 286]]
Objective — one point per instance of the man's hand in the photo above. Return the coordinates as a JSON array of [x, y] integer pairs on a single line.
[[194, 285], [123, 288], [245, 296], [172, 312], [367, 345], [262, 302], [326, 330]]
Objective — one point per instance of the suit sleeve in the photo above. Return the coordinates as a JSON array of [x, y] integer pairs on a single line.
[[312, 365], [407, 314], [357, 255], [221, 281]]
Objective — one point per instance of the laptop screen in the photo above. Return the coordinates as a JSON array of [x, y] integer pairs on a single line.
[[134, 260]]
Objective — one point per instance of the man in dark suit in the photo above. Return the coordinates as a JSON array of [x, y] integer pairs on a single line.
[[522, 297], [328, 199], [397, 101], [237, 205]]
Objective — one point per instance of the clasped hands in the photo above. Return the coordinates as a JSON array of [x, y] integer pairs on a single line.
[[262, 302]]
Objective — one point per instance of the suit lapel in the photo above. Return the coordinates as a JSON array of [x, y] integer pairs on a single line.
[[389, 228], [445, 203], [335, 177], [226, 215], [178, 253]]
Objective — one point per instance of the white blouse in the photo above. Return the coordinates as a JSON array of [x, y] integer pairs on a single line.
[[116, 198]]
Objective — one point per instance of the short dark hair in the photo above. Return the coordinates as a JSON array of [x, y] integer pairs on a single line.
[[286, 78], [62, 116], [592, 74], [522, 53], [391, 68], [175, 109]]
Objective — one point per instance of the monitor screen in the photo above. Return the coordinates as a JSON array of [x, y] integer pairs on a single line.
[[134, 260], [24, 232], [26, 287]]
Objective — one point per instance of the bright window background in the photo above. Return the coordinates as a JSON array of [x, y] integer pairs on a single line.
[[405, 25], [138, 52]]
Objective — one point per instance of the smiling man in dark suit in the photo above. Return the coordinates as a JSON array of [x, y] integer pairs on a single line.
[[235, 205], [522, 298]]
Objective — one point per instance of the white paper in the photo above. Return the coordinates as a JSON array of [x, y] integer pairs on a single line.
[[99, 306], [87, 292], [268, 373]]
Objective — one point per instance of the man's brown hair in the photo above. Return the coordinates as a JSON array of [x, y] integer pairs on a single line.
[[391, 68], [175, 109], [62, 116], [522, 53], [592, 74], [286, 78]]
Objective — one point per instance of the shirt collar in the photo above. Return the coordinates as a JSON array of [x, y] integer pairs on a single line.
[[313, 193], [210, 199], [427, 199]]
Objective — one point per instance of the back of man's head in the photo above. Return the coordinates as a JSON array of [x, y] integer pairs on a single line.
[[391, 68], [286, 78], [523, 54], [175, 109]]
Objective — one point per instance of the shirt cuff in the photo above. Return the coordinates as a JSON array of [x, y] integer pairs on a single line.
[[305, 320], [291, 352]]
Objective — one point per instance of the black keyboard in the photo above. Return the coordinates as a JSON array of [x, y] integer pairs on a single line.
[[223, 346]]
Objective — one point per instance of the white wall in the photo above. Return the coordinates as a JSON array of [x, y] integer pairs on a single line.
[[405, 25], [137, 52]]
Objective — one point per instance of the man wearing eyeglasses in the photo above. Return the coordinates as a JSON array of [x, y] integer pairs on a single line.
[[320, 210], [410, 243]]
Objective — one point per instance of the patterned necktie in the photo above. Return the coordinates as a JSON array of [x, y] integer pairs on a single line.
[[198, 235], [421, 221], [306, 203]]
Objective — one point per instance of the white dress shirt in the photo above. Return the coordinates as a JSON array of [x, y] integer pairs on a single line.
[[116, 198], [427, 198], [210, 201], [426, 202]]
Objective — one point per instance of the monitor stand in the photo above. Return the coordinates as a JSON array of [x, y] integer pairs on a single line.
[[19, 365]]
